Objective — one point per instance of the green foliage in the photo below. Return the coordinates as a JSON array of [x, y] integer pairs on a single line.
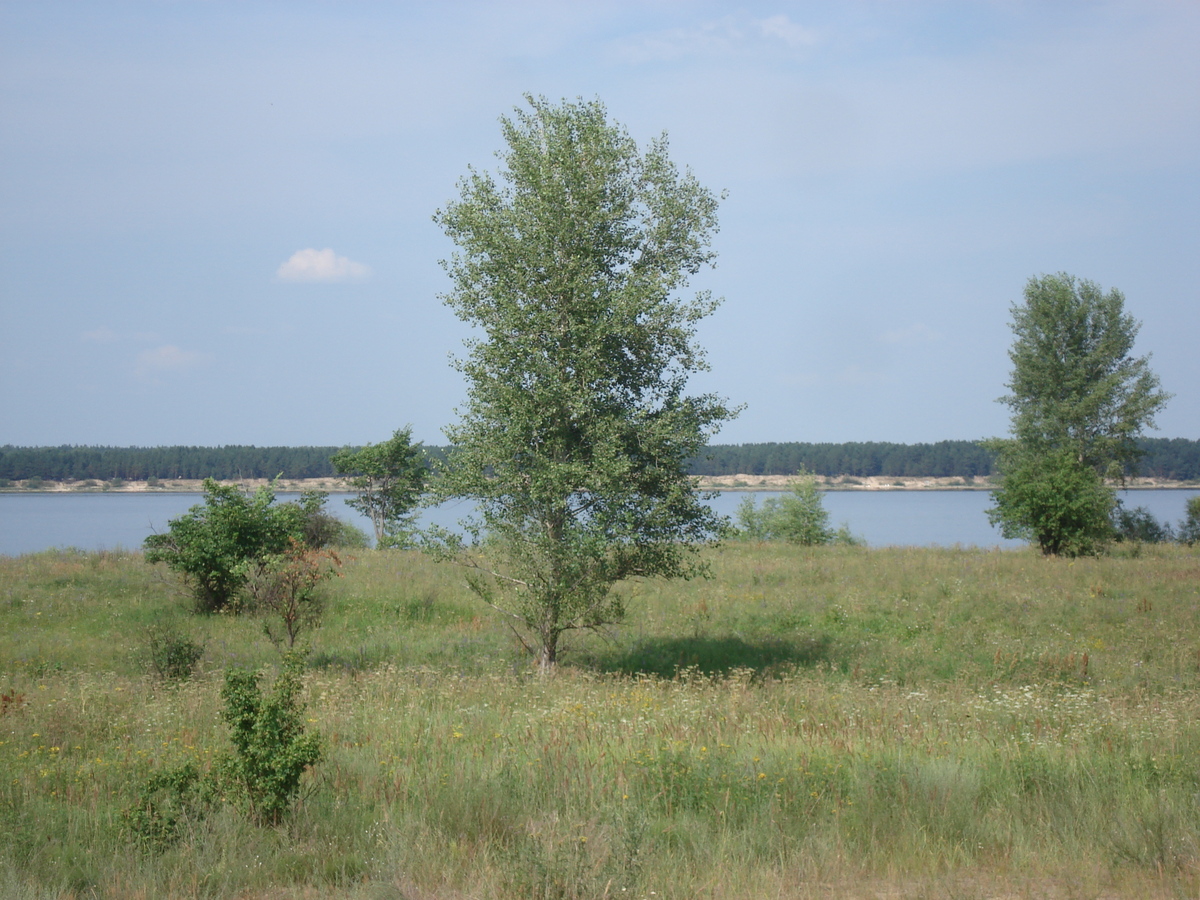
[[1056, 501], [1138, 525], [1189, 528], [798, 517], [1079, 402], [213, 545], [576, 435], [390, 479], [271, 749], [174, 656], [167, 803]]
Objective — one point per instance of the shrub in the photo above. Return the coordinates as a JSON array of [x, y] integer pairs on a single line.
[[1189, 528], [270, 747], [798, 517], [214, 545], [174, 656], [1139, 525], [285, 588], [166, 803], [1054, 499]]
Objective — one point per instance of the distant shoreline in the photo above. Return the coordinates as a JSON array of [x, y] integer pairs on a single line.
[[745, 483]]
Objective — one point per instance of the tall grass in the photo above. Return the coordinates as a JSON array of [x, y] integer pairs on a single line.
[[829, 722]]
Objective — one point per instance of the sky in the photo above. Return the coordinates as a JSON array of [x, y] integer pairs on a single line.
[[216, 217]]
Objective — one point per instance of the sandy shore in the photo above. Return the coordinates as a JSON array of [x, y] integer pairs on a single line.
[[722, 483]]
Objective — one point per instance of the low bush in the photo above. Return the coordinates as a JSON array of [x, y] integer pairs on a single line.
[[798, 517], [216, 544], [271, 749], [1189, 528], [173, 656]]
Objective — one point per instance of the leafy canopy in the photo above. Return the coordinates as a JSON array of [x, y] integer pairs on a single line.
[[577, 428], [1079, 400]]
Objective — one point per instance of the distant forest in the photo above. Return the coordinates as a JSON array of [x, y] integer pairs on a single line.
[[1175, 458]]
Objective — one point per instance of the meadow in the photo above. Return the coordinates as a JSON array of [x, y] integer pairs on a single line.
[[809, 722]]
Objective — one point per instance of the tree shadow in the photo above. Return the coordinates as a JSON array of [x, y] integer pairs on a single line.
[[712, 655]]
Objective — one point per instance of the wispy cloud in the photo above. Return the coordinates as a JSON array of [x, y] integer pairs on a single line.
[[167, 358], [717, 37], [913, 334], [782, 28], [321, 266]]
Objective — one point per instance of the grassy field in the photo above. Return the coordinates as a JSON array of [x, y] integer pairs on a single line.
[[828, 722]]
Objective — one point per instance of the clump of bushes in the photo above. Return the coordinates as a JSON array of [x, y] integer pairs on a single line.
[[798, 517], [215, 545], [261, 774]]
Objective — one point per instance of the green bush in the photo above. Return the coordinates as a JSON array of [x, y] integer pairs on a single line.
[[1189, 528], [174, 656], [1054, 499], [1139, 525], [214, 544], [798, 517], [284, 588], [166, 804], [270, 747]]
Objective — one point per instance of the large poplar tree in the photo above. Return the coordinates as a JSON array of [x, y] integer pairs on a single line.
[[1079, 400], [577, 430]]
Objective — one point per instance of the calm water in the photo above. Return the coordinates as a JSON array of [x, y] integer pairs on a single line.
[[33, 522]]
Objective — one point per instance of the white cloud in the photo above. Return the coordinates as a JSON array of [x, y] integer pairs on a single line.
[[167, 358], [321, 265]]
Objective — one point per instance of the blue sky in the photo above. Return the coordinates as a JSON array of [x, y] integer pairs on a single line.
[[216, 216]]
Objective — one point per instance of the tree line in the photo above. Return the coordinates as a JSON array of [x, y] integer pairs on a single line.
[[1173, 458]]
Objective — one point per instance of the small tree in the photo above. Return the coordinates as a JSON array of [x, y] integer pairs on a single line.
[[390, 479], [212, 544], [284, 588], [576, 434], [1079, 402]]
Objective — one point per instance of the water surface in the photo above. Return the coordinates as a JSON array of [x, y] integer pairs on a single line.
[[104, 521]]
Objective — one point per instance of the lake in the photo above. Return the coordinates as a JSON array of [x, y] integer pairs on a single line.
[[97, 521]]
